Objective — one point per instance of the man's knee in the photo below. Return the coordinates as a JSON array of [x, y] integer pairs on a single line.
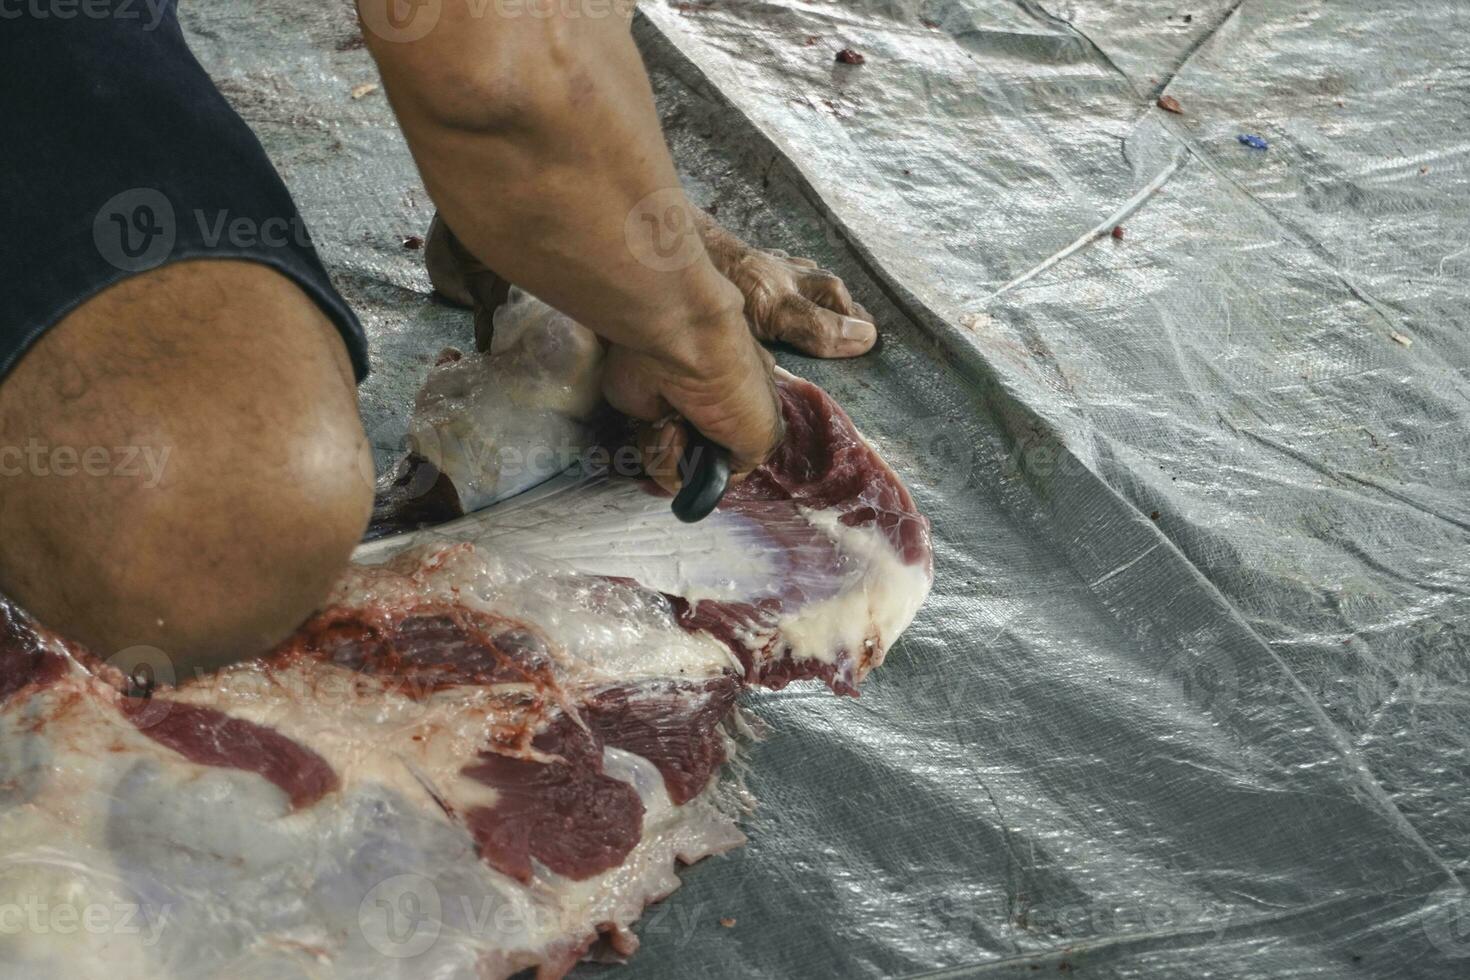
[[221, 476], [211, 566]]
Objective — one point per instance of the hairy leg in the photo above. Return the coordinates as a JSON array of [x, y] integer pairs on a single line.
[[182, 465]]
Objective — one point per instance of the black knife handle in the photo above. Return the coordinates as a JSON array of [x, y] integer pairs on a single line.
[[705, 469]]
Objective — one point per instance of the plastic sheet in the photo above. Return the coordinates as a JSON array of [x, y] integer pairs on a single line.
[[1190, 696]]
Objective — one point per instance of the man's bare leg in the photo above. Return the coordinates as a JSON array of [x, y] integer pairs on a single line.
[[182, 465]]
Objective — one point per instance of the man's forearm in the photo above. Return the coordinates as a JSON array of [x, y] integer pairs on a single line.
[[539, 143]]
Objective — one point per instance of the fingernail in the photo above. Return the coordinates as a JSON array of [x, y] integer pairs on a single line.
[[855, 329]]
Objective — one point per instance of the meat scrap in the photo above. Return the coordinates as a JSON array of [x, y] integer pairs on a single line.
[[848, 56]]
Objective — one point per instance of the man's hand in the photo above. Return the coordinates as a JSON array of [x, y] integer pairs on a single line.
[[716, 378], [790, 299], [712, 375]]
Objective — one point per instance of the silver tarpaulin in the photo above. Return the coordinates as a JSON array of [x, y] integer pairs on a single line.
[[1192, 694]]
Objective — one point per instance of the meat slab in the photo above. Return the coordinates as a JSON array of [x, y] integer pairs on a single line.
[[489, 752]]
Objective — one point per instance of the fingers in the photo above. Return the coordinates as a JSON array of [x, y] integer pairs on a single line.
[[822, 332], [732, 400], [796, 301], [447, 262], [825, 289], [633, 389], [661, 444], [738, 406], [464, 280], [631, 384]]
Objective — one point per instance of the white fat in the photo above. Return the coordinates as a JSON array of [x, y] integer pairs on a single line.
[[418, 745], [64, 908], [58, 858], [615, 528], [600, 631], [873, 607], [58, 917], [500, 422]]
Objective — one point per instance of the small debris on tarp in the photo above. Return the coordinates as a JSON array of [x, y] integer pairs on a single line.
[[728, 923], [366, 88], [811, 40], [413, 242], [1117, 232], [848, 56], [1170, 104], [1153, 515], [1253, 141], [1400, 339]]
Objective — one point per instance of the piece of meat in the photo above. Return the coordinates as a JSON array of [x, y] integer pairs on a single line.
[[676, 726], [412, 495], [828, 473], [566, 813], [825, 464], [24, 659], [411, 711], [528, 707], [427, 648], [808, 570], [212, 738]]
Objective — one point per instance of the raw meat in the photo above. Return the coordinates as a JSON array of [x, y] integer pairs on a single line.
[[501, 422], [487, 754]]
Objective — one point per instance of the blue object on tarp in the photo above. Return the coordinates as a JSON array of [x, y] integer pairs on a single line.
[[1253, 141]]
